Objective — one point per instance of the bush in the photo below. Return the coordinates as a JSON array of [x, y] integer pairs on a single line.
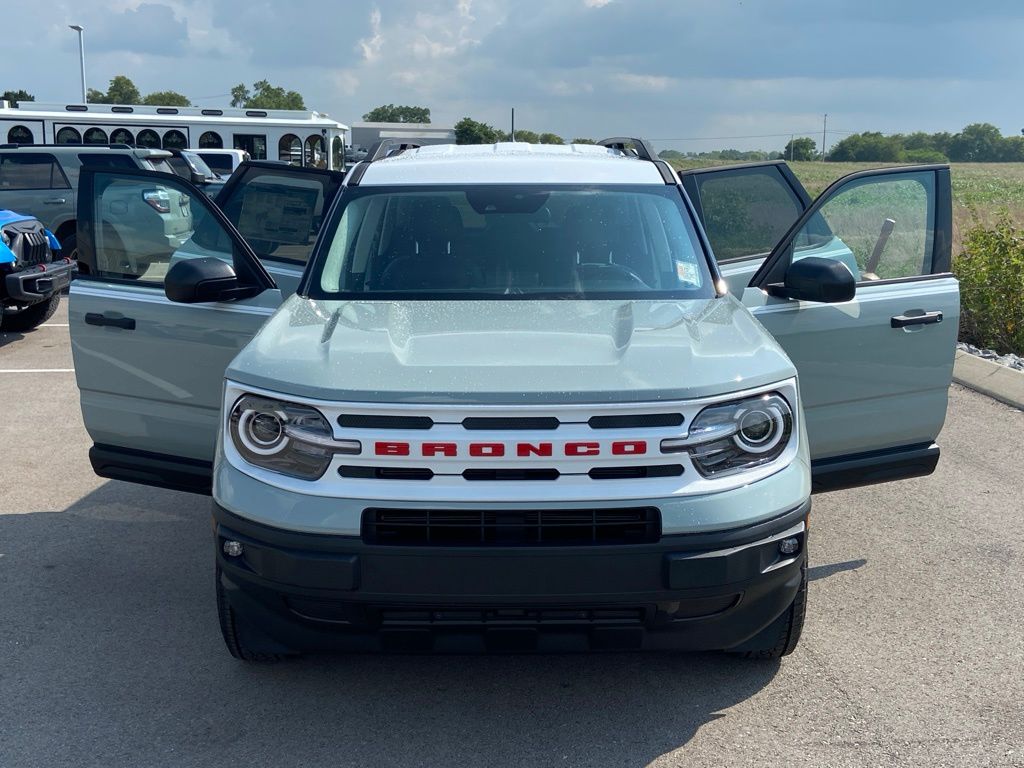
[[991, 273]]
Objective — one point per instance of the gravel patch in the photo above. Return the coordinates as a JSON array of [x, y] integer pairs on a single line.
[[1010, 361]]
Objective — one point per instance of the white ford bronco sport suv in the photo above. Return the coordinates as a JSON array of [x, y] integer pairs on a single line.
[[506, 398]]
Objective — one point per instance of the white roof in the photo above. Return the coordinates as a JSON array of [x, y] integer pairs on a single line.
[[511, 163]]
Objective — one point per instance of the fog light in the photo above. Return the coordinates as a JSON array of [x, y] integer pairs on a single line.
[[232, 548], [786, 546]]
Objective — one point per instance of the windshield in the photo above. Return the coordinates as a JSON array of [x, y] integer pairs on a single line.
[[504, 241]]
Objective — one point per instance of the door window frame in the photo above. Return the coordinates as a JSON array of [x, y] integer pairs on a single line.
[[774, 267], [247, 266], [689, 180]]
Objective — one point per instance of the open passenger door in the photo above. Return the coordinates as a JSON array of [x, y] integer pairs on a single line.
[[150, 341], [874, 367]]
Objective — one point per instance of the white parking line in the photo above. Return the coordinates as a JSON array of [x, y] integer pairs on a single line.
[[37, 370], [54, 325]]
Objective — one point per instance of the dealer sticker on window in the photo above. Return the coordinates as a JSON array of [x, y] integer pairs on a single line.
[[687, 272]]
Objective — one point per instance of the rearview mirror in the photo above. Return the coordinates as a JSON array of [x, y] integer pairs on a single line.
[[815, 278], [195, 281]]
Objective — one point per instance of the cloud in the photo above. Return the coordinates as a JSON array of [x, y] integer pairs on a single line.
[[370, 46], [149, 29], [664, 68]]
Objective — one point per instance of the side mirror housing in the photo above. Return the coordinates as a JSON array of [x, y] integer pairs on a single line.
[[198, 179], [814, 278], [205, 279]]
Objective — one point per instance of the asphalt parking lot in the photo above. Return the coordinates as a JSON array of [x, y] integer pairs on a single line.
[[110, 654]]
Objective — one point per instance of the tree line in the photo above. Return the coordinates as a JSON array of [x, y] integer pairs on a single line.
[[121, 90]]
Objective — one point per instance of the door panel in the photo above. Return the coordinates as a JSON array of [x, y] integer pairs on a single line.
[[150, 371], [869, 383]]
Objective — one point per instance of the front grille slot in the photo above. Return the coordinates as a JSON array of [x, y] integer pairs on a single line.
[[374, 421], [511, 528], [385, 473], [630, 473], [525, 422], [639, 421], [511, 474]]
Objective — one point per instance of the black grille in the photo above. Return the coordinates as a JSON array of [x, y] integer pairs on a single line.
[[30, 246], [373, 421], [511, 528], [511, 474], [512, 422], [627, 473], [386, 473], [637, 421]]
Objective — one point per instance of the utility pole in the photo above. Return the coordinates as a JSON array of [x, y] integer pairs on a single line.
[[824, 128], [513, 134], [81, 52], [791, 147]]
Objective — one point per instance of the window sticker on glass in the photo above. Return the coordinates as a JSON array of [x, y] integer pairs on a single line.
[[279, 213], [687, 272]]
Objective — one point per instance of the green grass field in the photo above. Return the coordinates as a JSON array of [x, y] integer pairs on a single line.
[[980, 190]]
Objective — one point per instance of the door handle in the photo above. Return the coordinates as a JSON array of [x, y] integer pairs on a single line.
[[55, 201], [924, 318], [95, 318]]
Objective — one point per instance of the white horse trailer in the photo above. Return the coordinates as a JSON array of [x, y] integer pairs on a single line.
[[293, 136]]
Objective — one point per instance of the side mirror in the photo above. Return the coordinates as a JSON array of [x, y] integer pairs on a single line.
[[205, 279], [198, 179], [815, 278]]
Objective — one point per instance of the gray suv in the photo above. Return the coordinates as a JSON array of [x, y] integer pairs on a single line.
[[42, 180]]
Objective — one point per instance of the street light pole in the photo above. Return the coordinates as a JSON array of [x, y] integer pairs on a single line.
[[81, 51]]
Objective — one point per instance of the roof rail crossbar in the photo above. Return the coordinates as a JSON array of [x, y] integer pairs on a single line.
[[382, 149], [388, 147], [643, 149]]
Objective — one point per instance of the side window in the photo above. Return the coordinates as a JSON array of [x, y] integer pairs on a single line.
[[881, 228], [746, 211], [279, 215], [106, 160], [141, 227], [31, 171]]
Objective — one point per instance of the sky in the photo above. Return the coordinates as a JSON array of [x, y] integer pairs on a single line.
[[687, 74]]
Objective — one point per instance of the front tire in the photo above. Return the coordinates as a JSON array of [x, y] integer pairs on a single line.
[[29, 317], [233, 634], [781, 637]]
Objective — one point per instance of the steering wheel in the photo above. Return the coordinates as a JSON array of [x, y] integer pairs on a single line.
[[599, 272]]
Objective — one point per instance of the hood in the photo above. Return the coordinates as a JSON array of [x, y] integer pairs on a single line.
[[510, 352]]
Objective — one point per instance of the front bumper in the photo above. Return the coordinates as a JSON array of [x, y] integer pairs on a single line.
[[35, 283], [315, 592]]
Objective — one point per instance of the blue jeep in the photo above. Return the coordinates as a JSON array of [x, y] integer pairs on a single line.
[[32, 272]]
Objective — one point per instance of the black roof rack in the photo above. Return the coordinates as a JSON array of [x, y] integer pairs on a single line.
[[382, 149], [644, 150], [387, 148]]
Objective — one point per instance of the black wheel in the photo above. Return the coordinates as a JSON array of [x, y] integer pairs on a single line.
[[27, 318], [780, 638], [234, 636]]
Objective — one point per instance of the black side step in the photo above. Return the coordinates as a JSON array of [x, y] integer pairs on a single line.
[[156, 469]]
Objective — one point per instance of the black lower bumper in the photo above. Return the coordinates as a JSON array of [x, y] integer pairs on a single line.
[[308, 592], [33, 284]]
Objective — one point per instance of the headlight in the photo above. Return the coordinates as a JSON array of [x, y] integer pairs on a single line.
[[285, 437], [732, 437], [5, 238]]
